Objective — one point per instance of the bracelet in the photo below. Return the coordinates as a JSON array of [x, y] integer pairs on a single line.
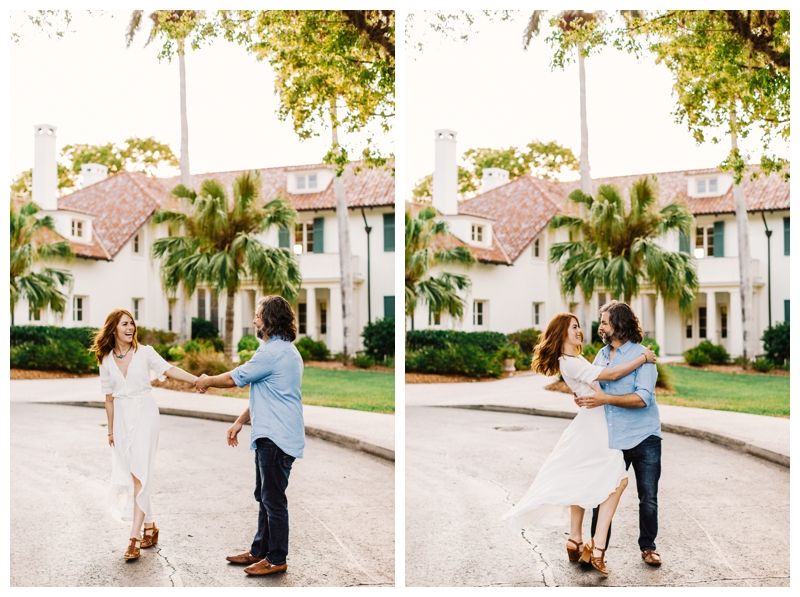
[[112, 433]]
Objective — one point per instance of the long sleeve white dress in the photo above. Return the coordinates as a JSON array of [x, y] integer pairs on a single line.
[[135, 429], [581, 470]]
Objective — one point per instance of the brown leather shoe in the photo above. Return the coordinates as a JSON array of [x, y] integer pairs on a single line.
[[133, 550], [264, 567], [150, 536], [243, 558], [651, 557]]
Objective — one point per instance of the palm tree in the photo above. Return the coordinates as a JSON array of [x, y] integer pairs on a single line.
[[421, 256], [618, 251], [160, 18], [29, 246], [220, 245]]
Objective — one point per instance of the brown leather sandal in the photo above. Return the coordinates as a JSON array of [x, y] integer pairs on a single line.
[[150, 536], [588, 557], [650, 556], [133, 550], [574, 554]]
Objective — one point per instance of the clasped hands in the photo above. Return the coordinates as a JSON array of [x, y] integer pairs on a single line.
[[201, 384], [593, 400]]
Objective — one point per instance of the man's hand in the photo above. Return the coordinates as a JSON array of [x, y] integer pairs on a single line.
[[233, 433], [577, 400], [201, 383], [593, 400]]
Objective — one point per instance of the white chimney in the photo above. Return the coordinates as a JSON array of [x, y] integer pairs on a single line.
[[45, 173], [93, 173], [493, 178], [445, 173]]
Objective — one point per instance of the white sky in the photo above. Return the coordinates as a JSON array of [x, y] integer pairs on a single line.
[[496, 95], [96, 91]]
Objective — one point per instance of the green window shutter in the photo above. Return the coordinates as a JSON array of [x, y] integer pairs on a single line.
[[786, 308], [786, 242], [283, 237], [719, 239], [388, 307], [319, 235], [388, 232], [683, 241]]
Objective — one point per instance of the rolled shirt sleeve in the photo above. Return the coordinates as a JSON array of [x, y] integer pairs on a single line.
[[257, 368], [157, 363], [646, 376]]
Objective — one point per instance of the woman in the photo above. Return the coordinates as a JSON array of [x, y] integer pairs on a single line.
[[125, 367], [582, 471]]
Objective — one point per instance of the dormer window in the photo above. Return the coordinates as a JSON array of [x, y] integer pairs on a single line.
[[312, 181], [77, 228], [707, 186], [477, 233], [136, 244], [301, 182]]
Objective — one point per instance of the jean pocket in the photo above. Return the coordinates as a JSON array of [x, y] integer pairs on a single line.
[[288, 461]]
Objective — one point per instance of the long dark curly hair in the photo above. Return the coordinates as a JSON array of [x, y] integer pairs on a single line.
[[622, 319], [105, 337], [551, 343], [277, 316]]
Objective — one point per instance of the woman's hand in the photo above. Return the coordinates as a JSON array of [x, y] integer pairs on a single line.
[[111, 439], [649, 355]]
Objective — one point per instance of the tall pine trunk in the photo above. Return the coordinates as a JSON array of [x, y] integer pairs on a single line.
[[743, 236], [186, 177], [586, 179], [345, 261], [229, 323]]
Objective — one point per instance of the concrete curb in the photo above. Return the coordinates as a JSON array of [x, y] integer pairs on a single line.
[[716, 438], [325, 434]]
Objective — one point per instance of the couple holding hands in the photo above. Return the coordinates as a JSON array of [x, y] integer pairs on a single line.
[[275, 413]]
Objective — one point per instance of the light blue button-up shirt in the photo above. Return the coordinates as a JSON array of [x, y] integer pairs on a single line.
[[275, 373], [628, 427]]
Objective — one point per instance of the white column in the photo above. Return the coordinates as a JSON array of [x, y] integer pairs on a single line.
[[335, 331], [311, 314], [661, 327], [711, 317], [735, 324]]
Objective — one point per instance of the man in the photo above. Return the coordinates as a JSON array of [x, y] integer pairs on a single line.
[[632, 416], [277, 431]]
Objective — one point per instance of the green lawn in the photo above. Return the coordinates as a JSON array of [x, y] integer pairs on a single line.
[[756, 394], [360, 390]]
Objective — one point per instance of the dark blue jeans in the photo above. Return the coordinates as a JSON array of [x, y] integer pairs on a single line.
[[273, 466], [646, 461]]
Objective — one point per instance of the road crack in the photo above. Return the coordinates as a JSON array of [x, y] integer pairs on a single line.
[[174, 576], [544, 565]]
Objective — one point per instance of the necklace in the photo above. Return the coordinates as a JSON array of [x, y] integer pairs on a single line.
[[122, 356]]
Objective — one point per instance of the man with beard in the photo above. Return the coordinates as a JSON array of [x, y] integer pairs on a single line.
[[632, 416], [277, 435]]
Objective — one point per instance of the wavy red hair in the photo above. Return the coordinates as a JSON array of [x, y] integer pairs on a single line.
[[551, 343], [105, 338]]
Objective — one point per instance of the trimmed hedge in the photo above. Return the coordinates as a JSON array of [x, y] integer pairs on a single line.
[[247, 342], [525, 339], [42, 334], [489, 342], [776, 343], [312, 350], [716, 352], [379, 338], [453, 360], [202, 328], [60, 355]]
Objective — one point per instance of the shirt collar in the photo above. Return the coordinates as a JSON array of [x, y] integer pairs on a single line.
[[625, 347]]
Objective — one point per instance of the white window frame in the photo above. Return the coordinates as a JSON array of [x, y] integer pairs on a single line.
[[477, 233], [77, 228], [538, 314], [480, 313], [82, 309], [708, 232], [137, 243], [312, 181], [137, 307], [537, 248], [304, 238], [301, 182], [703, 186]]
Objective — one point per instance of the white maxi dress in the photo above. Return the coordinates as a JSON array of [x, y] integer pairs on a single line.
[[135, 429], [581, 470]]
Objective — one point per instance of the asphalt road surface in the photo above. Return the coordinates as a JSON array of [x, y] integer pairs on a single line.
[[723, 516], [341, 507]]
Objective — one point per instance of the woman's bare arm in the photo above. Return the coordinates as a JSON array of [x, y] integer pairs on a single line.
[[180, 375], [622, 370], [110, 416]]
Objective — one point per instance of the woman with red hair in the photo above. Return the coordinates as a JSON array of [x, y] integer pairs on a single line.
[[125, 367], [582, 471]]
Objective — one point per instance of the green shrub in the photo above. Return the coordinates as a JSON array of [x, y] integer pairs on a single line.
[[363, 361], [61, 355], [716, 353], [162, 350], [763, 365], [210, 363], [452, 360], [211, 344], [153, 337], [652, 345], [589, 351], [247, 342], [317, 351], [525, 339], [193, 346], [245, 355], [379, 338], [202, 328], [523, 363], [389, 362], [664, 377], [596, 338], [776, 343], [786, 365], [305, 355], [696, 357], [488, 342], [176, 353], [42, 334], [508, 351]]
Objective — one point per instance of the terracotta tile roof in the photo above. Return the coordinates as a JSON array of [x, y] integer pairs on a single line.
[[495, 254], [521, 208], [363, 186], [121, 205]]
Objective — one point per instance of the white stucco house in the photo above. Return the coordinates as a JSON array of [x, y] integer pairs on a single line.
[[108, 223], [515, 287]]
